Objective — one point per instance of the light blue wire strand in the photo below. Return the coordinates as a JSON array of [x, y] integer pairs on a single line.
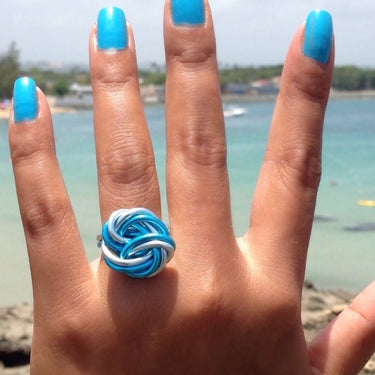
[[136, 242]]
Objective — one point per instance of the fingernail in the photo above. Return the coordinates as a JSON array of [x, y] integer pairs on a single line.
[[188, 12], [318, 36], [112, 32], [25, 101]]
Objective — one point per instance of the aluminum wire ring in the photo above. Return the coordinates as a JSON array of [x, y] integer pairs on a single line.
[[135, 242]]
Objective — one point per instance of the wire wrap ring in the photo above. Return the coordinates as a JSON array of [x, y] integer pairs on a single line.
[[135, 242]]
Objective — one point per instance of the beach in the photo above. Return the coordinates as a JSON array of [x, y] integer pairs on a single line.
[[4, 113], [319, 307]]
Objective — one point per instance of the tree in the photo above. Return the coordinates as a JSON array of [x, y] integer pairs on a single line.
[[9, 71], [60, 88]]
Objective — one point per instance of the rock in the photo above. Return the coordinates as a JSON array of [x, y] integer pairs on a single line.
[[338, 309], [317, 308], [361, 227], [16, 327], [370, 367], [308, 284], [23, 370]]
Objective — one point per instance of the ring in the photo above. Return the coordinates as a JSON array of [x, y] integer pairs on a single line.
[[135, 242]]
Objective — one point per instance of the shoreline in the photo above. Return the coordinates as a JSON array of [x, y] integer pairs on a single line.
[[334, 95], [226, 99], [319, 307], [4, 113]]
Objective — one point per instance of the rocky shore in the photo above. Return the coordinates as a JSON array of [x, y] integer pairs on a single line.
[[319, 307]]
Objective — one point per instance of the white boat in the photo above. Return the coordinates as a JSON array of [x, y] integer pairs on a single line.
[[234, 111]]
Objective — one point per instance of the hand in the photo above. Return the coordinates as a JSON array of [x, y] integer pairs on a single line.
[[221, 306]]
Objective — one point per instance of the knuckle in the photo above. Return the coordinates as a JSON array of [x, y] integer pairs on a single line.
[[212, 307], [286, 308], [45, 215], [188, 56], [298, 165], [122, 167], [213, 303], [191, 60], [31, 152], [312, 84], [113, 76], [204, 151], [71, 333]]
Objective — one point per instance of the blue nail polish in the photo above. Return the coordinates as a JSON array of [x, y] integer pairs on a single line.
[[112, 32], [25, 100], [188, 12], [318, 36]]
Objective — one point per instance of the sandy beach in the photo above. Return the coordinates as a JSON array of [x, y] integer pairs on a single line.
[[4, 113], [319, 307]]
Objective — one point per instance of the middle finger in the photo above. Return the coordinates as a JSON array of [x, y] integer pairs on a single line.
[[197, 178], [125, 159]]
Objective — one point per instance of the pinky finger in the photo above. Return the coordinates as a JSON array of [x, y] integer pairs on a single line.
[[344, 346]]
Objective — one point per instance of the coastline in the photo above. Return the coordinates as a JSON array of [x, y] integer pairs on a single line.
[[334, 95], [226, 99], [4, 113], [319, 307]]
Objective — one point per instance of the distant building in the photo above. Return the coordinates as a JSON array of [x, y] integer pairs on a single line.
[[153, 94], [80, 90], [79, 97], [236, 88], [264, 87]]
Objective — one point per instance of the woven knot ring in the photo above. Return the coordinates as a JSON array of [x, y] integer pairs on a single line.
[[135, 242]]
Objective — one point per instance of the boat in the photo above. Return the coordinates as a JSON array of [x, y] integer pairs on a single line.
[[234, 111], [367, 203]]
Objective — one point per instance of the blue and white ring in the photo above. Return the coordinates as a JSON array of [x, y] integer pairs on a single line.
[[135, 242]]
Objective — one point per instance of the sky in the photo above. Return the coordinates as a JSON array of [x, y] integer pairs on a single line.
[[248, 32]]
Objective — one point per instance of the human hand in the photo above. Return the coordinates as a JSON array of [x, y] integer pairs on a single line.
[[222, 305]]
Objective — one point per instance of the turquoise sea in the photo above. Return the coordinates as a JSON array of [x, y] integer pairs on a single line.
[[341, 253]]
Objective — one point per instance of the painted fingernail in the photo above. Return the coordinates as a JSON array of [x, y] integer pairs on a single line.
[[112, 32], [188, 12], [318, 36], [25, 102]]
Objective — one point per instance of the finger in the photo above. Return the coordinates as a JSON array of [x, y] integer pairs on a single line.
[[284, 200], [125, 160], [197, 179], [59, 267], [344, 347]]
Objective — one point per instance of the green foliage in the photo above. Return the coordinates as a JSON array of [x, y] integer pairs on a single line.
[[60, 88], [152, 77], [237, 74], [58, 82], [9, 71], [353, 78]]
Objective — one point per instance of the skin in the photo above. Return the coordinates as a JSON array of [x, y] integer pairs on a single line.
[[222, 305]]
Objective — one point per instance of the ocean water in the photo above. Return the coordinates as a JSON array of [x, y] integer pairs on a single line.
[[341, 252]]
